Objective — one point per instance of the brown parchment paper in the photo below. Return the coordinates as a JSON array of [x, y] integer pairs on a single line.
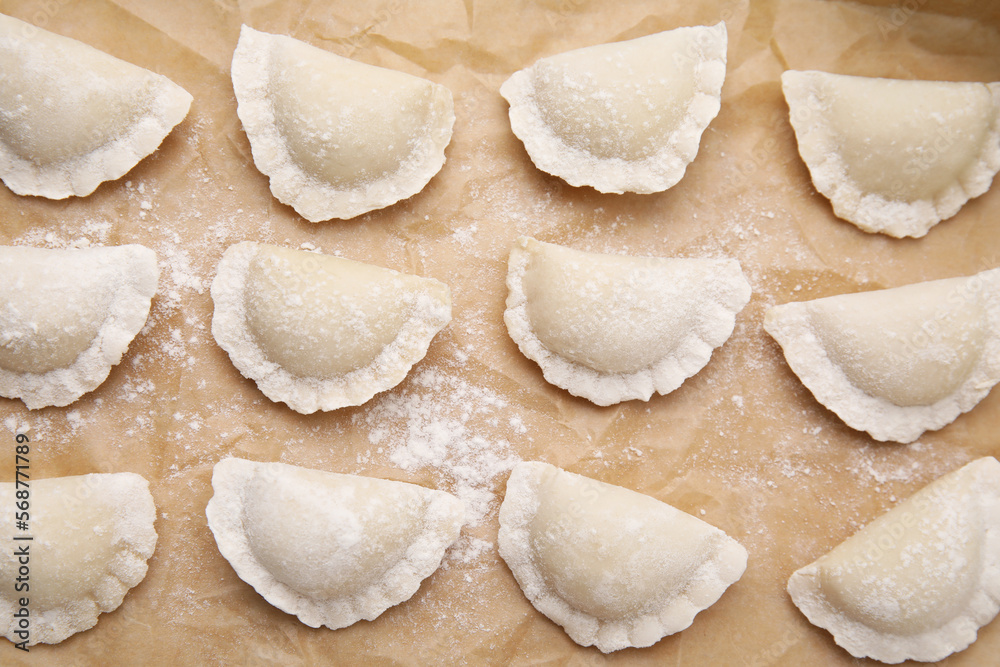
[[742, 445]]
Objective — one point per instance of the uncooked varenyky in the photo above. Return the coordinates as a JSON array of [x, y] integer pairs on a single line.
[[320, 332], [330, 548], [68, 316], [337, 137], [895, 156], [896, 362], [73, 116], [91, 536], [613, 567], [621, 117], [611, 328], [919, 581]]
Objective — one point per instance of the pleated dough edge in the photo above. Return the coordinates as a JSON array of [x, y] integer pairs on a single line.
[[873, 212], [724, 568], [83, 174], [790, 325], [930, 646], [225, 519], [129, 310], [289, 183], [656, 173], [128, 493], [307, 395], [663, 377]]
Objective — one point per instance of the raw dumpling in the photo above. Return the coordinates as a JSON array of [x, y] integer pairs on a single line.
[[611, 328], [68, 316], [72, 117], [896, 362], [337, 137], [332, 549], [91, 538], [613, 567], [621, 117], [894, 156], [320, 332], [918, 582]]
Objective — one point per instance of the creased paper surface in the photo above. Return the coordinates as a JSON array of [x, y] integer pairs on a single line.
[[742, 445]]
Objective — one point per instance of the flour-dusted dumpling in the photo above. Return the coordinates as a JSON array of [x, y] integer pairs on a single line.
[[919, 581], [611, 328], [91, 536], [68, 316], [896, 362], [621, 117], [337, 137], [613, 567], [320, 332], [332, 549], [72, 117], [895, 156]]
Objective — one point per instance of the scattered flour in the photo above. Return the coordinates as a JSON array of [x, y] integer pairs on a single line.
[[457, 429]]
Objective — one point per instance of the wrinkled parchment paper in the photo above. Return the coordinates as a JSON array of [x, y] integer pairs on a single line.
[[742, 445]]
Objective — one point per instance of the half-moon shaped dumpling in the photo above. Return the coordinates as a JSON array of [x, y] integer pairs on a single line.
[[895, 156], [919, 581], [91, 536], [337, 137], [332, 549], [896, 362], [611, 328], [613, 567], [73, 116], [68, 316], [621, 117], [320, 332]]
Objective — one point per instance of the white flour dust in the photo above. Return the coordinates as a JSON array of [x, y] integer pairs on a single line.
[[455, 428]]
